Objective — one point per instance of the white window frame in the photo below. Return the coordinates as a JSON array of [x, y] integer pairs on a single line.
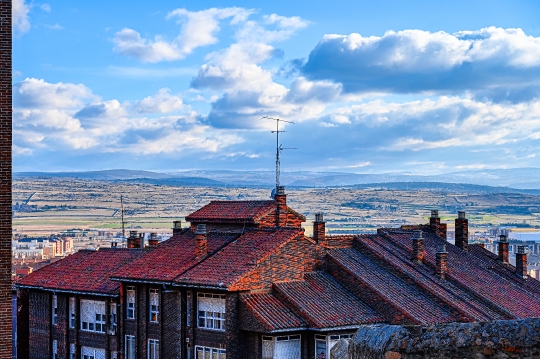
[[113, 319], [130, 302], [54, 348], [211, 320], [189, 303], [98, 323], [131, 351], [153, 349], [54, 309], [103, 353], [329, 340], [271, 344], [72, 351], [219, 353], [154, 305], [72, 317]]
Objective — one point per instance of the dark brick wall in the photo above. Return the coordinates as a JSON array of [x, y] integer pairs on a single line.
[[5, 180], [252, 343], [462, 233], [22, 324], [171, 324], [39, 325], [59, 331], [287, 263], [233, 342]]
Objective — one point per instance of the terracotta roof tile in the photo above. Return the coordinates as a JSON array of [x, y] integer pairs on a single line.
[[271, 312], [84, 271], [324, 303], [477, 277], [235, 211], [239, 257], [171, 257]]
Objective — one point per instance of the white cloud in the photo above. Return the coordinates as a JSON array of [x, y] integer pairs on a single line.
[[20, 19], [65, 117], [54, 27], [162, 102], [45, 7], [198, 29], [412, 61]]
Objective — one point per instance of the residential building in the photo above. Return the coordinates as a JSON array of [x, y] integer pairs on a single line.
[[243, 281]]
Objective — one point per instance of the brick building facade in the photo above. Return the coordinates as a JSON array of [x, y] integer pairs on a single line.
[[5, 179], [243, 281]]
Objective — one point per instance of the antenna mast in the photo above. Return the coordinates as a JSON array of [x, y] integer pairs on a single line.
[[279, 147], [123, 229]]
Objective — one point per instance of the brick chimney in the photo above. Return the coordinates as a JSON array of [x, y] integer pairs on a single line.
[[153, 241], [319, 228], [521, 261], [503, 248], [177, 227], [462, 231], [434, 222], [441, 261], [281, 202], [418, 246], [201, 241], [133, 240]]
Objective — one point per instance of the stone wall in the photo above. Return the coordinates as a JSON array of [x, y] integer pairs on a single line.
[[497, 339]]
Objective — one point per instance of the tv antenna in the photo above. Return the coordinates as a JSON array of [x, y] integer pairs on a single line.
[[123, 228], [279, 147]]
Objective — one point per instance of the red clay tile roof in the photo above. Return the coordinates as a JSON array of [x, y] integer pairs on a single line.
[[408, 298], [477, 277], [239, 257], [324, 303], [270, 312], [171, 257], [232, 211], [398, 260], [84, 271]]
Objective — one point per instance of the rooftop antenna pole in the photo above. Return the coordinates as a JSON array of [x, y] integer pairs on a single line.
[[279, 147], [123, 229]]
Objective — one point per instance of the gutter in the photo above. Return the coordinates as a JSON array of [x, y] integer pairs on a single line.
[[67, 291]]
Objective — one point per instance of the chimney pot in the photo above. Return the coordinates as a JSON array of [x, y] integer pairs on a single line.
[[441, 261], [201, 241], [281, 207], [521, 261], [177, 227], [201, 228], [434, 213], [503, 248], [462, 231], [418, 246], [280, 190], [319, 228]]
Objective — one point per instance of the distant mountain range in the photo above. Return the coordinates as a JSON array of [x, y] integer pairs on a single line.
[[501, 180]]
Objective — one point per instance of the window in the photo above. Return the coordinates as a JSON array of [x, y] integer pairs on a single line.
[[114, 355], [72, 319], [286, 346], [72, 351], [130, 347], [323, 344], [211, 311], [93, 315], [209, 353], [154, 305], [130, 310], [54, 348], [54, 309], [112, 318], [188, 309], [153, 349], [92, 353]]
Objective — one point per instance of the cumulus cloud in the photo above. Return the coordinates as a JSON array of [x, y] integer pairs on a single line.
[[63, 116], [162, 102], [198, 29], [20, 20], [415, 61]]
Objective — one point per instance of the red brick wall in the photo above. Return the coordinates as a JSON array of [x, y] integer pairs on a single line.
[[39, 325], [5, 179], [289, 262]]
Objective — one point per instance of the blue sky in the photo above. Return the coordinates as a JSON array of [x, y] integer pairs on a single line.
[[418, 86]]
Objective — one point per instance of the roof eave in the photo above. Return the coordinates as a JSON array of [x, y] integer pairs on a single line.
[[55, 290]]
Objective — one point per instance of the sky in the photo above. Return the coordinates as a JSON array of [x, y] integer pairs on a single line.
[[423, 87]]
